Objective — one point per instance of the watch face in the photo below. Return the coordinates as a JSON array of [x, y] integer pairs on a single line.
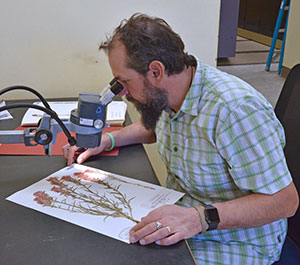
[[212, 215]]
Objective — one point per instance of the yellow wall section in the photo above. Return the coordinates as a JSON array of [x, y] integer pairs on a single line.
[[52, 45], [292, 49]]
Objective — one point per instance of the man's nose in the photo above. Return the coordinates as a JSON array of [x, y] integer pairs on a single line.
[[123, 92]]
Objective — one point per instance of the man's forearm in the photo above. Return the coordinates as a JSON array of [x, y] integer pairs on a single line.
[[258, 209], [133, 134]]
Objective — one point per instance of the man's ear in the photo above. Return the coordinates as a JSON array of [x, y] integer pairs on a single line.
[[156, 71]]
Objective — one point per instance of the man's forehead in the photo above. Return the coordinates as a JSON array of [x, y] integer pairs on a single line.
[[117, 58], [117, 46], [118, 63]]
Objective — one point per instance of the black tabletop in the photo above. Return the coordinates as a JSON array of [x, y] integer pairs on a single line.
[[31, 237]]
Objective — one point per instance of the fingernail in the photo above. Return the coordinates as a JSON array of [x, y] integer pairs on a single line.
[[157, 242], [142, 242], [132, 239], [79, 160]]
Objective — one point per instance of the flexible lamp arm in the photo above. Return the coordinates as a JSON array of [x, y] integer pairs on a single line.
[[50, 112], [19, 87]]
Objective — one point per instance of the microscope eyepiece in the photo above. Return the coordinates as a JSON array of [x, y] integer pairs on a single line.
[[109, 92], [116, 88]]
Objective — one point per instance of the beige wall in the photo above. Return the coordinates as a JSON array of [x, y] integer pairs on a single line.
[[292, 49], [51, 45]]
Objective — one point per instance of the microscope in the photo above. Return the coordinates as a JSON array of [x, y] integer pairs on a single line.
[[87, 121]]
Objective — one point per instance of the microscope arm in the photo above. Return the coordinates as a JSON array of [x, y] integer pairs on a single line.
[[87, 121], [12, 137], [34, 135]]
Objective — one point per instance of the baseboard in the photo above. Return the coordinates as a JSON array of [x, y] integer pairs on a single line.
[[285, 71], [266, 40]]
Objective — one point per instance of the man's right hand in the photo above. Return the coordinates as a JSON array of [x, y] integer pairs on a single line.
[[71, 152], [134, 133]]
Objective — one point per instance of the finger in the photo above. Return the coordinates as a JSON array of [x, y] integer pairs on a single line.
[[86, 154], [170, 240], [71, 154], [151, 217], [138, 226], [65, 150], [158, 235], [142, 231]]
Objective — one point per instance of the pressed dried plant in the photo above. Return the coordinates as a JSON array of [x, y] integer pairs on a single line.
[[81, 198], [88, 173]]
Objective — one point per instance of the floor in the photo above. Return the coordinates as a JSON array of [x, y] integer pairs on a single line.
[[249, 52], [249, 65]]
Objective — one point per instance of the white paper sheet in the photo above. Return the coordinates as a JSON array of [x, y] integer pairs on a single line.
[[62, 108], [81, 192], [4, 115], [115, 113]]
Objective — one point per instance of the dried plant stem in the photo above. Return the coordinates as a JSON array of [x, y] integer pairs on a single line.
[[121, 180], [103, 200], [81, 209], [85, 199]]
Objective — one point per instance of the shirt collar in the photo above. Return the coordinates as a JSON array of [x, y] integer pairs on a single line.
[[190, 104]]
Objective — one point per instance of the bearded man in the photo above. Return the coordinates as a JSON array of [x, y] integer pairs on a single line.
[[219, 139]]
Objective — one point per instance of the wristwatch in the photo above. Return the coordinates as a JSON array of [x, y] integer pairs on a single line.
[[211, 217]]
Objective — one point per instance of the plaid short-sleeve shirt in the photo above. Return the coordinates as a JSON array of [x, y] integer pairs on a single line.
[[225, 142]]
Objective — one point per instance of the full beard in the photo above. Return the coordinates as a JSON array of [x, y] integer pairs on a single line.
[[156, 102]]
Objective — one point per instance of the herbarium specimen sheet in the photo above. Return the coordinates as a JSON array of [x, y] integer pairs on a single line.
[[101, 201]]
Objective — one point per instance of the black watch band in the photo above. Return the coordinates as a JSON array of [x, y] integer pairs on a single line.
[[211, 217]]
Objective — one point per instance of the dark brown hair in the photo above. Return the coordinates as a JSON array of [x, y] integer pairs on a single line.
[[150, 38]]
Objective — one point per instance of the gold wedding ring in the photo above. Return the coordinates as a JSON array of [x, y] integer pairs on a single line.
[[169, 229]]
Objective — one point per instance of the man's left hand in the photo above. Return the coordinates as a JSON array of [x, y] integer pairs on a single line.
[[166, 226]]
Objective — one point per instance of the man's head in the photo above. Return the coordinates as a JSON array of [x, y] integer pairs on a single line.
[[147, 39], [142, 52]]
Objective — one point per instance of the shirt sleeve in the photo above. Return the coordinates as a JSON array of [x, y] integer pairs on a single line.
[[251, 139]]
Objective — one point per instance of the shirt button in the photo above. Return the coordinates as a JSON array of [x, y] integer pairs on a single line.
[[175, 149]]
